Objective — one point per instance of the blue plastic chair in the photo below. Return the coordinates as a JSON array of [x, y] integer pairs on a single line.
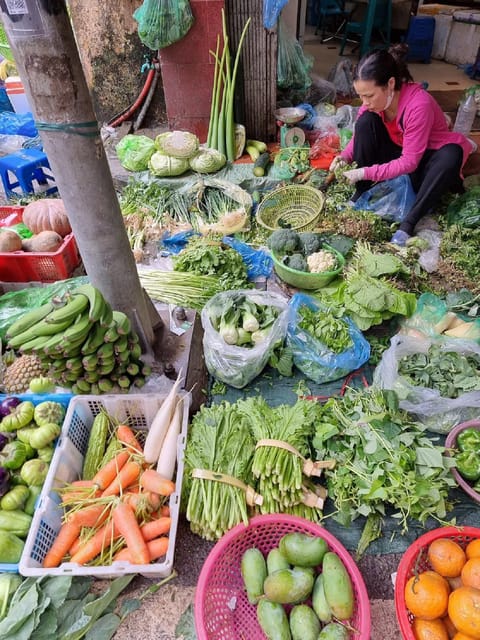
[[330, 11], [26, 166], [378, 17]]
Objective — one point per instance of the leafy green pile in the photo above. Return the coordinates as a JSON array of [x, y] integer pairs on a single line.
[[448, 372], [460, 246], [322, 325], [365, 294], [205, 257], [384, 459]]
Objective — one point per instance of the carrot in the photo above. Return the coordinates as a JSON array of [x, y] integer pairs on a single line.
[[150, 480], [106, 475], [156, 549], [126, 436], [90, 549], [90, 516], [156, 528], [68, 533], [127, 525], [127, 475], [165, 510], [142, 501]]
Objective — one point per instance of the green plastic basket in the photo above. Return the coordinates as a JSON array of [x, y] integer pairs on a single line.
[[293, 205], [305, 280]]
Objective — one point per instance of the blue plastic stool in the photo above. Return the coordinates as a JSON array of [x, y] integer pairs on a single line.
[[26, 165]]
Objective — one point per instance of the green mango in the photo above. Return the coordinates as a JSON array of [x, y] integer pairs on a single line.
[[288, 586], [303, 549], [273, 620], [334, 631], [304, 623]]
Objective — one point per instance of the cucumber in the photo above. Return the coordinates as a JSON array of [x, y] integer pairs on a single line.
[[337, 586], [258, 144], [253, 152], [254, 572], [261, 164], [304, 624], [273, 620]]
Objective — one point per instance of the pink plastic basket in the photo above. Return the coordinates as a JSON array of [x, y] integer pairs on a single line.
[[221, 608], [451, 443]]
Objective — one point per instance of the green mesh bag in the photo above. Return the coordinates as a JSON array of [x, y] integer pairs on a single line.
[[163, 22]]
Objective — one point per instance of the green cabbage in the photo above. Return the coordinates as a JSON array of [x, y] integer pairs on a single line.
[[207, 161], [162, 165], [178, 144], [134, 151]]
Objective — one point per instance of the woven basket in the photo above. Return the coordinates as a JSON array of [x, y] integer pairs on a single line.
[[221, 608], [414, 560], [295, 206]]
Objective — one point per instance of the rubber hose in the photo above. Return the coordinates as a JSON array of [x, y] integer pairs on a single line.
[[124, 116], [141, 115]]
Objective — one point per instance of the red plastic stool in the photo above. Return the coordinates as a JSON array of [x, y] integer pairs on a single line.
[[26, 165]]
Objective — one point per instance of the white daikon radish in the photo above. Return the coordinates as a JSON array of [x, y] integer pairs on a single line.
[[161, 422], [168, 452]]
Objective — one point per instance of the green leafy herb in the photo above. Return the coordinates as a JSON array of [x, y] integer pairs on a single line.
[[322, 325]]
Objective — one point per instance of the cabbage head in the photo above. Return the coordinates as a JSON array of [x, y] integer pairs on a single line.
[[165, 166], [134, 151], [207, 161], [178, 144]]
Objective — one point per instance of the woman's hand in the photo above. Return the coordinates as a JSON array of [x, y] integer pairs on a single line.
[[354, 175], [337, 162]]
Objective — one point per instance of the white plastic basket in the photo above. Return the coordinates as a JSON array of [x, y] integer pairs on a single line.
[[136, 410]]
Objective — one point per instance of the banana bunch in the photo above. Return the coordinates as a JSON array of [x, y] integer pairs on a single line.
[[7, 68], [82, 343]]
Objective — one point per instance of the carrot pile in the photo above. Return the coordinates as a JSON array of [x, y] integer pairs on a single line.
[[120, 514]]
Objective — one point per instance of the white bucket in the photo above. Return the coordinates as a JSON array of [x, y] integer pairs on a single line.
[[16, 93]]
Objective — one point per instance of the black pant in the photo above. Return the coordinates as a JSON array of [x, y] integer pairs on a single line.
[[437, 173]]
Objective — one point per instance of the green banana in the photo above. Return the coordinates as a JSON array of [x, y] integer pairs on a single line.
[[91, 377], [123, 357], [139, 381], [58, 365], [124, 382], [52, 345], [76, 305], [78, 331], [106, 350], [105, 369], [33, 345], [105, 385], [83, 385], [123, 322], [96, 300], [28, 320], [73, 350], [111, 334], [121, 345], [135, 351], [70, 376], [94, 339], [74, 363], [95, 389], [90, 363], [107, 316], [133, 369]]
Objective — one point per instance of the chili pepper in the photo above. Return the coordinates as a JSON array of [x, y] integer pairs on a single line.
[[469, 439], [468, 465]]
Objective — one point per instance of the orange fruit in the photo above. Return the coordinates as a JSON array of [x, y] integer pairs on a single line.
[[461, 636], [449, 626], [464, 611], [446, 557], [426, 595], [429, 629], [472, 550], [471, 573]]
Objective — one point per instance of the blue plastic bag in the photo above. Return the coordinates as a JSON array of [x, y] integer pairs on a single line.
[[177, 242], [258, 262], [315, 359], [271, 12], [20, 124], [390, 199]]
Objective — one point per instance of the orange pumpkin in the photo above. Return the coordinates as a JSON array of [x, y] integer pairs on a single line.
[[47, 214]]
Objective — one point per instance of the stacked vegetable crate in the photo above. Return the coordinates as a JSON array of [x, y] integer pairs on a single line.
[[136, 410], [61, 398]]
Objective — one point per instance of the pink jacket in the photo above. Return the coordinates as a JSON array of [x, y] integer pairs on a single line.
[[423, 126]]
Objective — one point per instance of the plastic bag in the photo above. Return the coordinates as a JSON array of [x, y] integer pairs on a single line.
[[436, 413], [465, 209], [134, 151], [341, 76], [390, 199], [314, 358], [293, 65], [178, 241], [237, 366], [11, 143], [326, 144], [15, 304], [271, 12], [320, 91], [163, 22], [258, 262], [21, 124]]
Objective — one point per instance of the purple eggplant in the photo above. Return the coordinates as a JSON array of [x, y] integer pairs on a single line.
[[8, 404], [3, 440], [4, 481]]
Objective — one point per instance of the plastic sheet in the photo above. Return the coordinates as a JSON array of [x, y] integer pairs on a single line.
[[315, 359], [21, 124], [390, 199]]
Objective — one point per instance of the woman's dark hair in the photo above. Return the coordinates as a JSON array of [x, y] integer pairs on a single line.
[[381, 65]]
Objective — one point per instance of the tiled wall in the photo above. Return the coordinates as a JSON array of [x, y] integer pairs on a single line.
[[187, 70]]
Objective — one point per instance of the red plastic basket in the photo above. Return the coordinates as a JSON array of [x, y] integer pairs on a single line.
[[414, 560], [451, 443], [23, 266], [221, 607], [11, 215]]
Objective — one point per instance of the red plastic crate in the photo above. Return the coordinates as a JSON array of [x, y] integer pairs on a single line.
[[23, 266], [11, 215]]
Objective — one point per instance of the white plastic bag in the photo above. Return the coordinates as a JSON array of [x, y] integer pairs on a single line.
[[237, 366], [437, 413]]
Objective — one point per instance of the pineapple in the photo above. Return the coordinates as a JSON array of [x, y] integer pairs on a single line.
[[17, 376]]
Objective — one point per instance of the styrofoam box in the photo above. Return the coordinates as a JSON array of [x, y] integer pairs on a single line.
[[464, 38], [136, 410]]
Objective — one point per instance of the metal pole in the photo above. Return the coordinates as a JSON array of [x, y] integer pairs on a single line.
[[47, 59]]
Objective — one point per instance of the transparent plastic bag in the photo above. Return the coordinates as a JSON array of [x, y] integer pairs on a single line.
[[315, 359], [163, 22], [134, 151], [390, 199], [293, 65], [436, 413], [237, 366], [11, 143]]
